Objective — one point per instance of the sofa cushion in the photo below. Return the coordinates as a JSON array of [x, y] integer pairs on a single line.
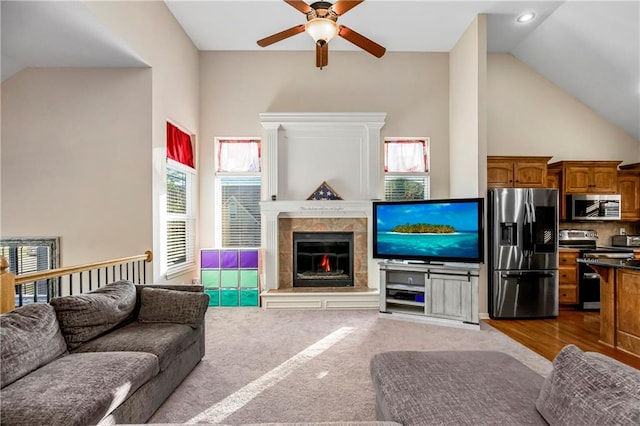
[[30, 338], [455, 387], [78, 389], [589, 388], [158, 305], [85, 316], [164, 340]]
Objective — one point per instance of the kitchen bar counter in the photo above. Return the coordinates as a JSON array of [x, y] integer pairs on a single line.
[[632, 264], [619, 302]]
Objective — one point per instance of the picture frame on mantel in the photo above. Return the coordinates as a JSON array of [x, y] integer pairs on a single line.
[[324, 192]]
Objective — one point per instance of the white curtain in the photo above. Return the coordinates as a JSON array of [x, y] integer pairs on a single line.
[[405, 156], [239, 156]]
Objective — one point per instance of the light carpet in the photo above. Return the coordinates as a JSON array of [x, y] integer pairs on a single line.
[[297, 366]]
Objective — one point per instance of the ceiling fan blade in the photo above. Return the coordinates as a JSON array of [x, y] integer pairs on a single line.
[[274, 38], [322, 55], [300, 5], [361, 41], [343, 6]]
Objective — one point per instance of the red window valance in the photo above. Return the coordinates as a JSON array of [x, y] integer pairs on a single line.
[[179, 146]]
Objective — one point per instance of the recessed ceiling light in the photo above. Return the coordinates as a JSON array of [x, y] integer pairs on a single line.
[[526, 17]]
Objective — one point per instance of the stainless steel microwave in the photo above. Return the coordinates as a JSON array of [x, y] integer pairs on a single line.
[[593, 206]]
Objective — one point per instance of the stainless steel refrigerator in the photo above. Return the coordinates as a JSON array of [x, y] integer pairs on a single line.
[[523, 252]]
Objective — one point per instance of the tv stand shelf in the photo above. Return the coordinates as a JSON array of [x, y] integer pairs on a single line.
[[446, 292]]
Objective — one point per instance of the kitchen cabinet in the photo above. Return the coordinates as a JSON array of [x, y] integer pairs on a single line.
[[619, 301], [517, 172], [629, 190], [568, 276], [553, 178], [584, 177]]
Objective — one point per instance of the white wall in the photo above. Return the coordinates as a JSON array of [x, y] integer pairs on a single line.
[[76, 160], [529, 115], [152, 31], [412, 88]]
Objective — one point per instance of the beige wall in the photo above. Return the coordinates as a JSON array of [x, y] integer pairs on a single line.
[[467, 124], [529, 115], [412, 88], [152, 31], [76, 160], [467, 112]]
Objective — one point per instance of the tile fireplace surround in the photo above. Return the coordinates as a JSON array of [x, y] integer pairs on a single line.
[[299, 153], [282, 218]]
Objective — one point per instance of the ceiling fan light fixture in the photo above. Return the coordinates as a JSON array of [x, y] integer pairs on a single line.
[[322, 29]]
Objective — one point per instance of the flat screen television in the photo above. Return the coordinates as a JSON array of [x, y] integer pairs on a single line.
[[448, 230]]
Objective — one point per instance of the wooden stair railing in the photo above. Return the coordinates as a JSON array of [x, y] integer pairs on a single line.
[[60, 281]]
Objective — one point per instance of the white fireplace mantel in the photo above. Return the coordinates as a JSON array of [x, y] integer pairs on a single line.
[[303, 149], [316, 208]]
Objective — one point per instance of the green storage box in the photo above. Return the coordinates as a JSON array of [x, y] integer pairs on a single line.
[[228, 297], [214, 296], [229, 278], [210, 278], [249, 297], [249, 278]]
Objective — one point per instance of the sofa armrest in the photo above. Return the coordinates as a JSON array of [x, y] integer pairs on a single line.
[[198, 288], [179, 287]]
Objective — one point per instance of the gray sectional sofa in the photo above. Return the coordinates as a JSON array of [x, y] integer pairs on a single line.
[[109, 356], [493, 388]]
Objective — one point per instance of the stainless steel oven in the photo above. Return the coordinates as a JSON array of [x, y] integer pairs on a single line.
[[588, 280]]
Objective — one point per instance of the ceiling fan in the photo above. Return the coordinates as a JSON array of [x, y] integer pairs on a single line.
[[322, 26]]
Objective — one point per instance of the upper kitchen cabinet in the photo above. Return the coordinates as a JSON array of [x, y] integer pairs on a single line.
[[553, 178], [629, 189], [584, 177], [517, 172]]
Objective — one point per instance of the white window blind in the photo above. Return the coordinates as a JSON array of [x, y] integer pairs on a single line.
[[238, 186], [406, 165], [180, 219]]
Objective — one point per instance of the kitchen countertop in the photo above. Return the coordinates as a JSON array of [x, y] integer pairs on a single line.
[[631, 264]]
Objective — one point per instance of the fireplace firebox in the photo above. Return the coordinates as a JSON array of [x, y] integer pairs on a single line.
[[323, 259]]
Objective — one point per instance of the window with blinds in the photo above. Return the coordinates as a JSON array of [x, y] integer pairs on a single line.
[[180, 217], [238, 188], [406, 167]]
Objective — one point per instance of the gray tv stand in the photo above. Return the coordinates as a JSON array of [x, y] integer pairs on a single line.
[[445, 292]]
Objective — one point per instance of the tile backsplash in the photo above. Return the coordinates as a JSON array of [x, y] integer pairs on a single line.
[[605, 230]]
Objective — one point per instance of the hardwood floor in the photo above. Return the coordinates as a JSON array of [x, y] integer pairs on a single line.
[[547, 336]]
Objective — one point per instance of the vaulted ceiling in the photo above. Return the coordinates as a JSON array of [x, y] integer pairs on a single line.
[[591, 49]]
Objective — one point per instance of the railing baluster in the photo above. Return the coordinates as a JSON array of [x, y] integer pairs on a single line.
[[90, 280], [113, 279], [81, 282], [49, 284], [98, 278], [144, 272]]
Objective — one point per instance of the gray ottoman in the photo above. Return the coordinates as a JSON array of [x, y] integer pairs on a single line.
[[455, 387]]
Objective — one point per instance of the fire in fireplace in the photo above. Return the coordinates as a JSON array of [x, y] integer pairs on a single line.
[[322, 259]]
